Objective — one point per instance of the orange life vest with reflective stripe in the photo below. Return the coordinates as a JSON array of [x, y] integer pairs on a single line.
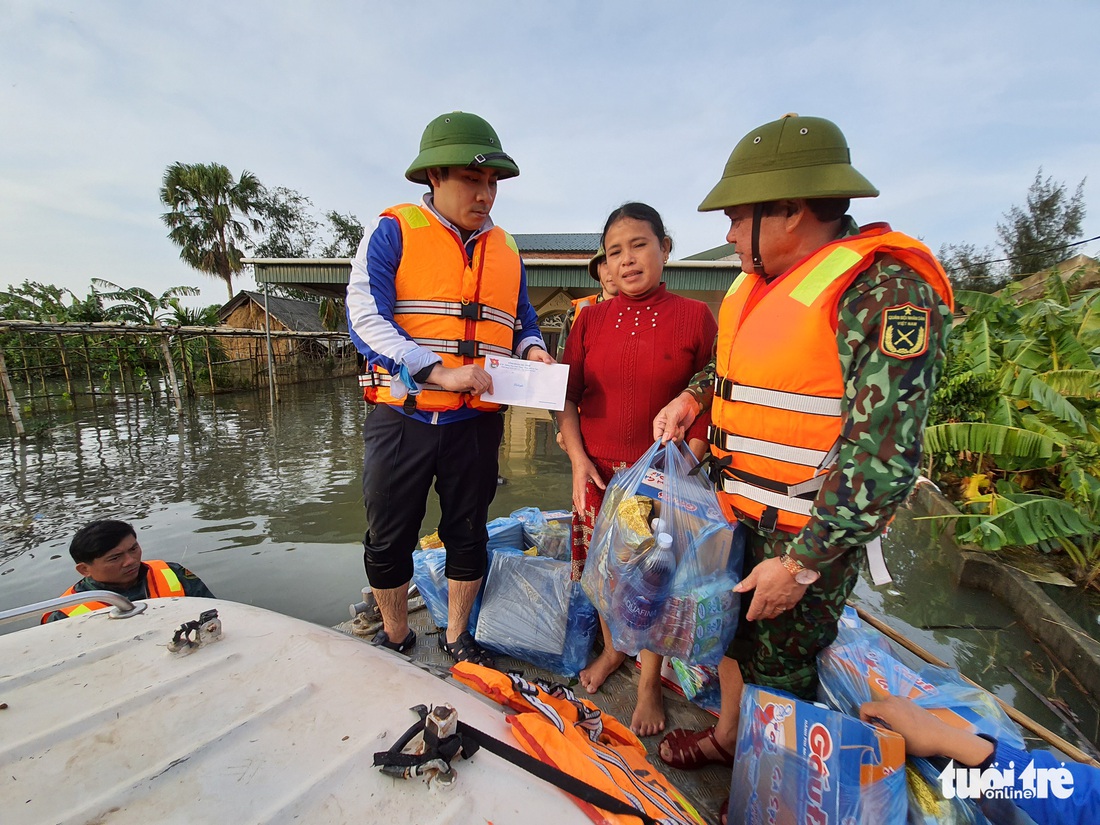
[[574, 736], [161, 582], [586, 301], [462, 308], [777, 410]]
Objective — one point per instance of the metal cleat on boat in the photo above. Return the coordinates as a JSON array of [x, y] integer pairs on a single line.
[[190, 636], [426, 750]]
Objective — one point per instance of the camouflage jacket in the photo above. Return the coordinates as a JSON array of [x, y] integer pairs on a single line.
[[192, 586], [885, 406]]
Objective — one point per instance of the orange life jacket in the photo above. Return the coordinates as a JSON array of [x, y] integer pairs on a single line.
[[574, 736], [778, 387], [585, 301], [161, 582], [461, 308]]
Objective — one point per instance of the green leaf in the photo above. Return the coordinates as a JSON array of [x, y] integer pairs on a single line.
[[990, 439]]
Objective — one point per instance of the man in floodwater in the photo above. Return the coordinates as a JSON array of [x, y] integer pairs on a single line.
[[829, 346], [108, 556], [434, 290]]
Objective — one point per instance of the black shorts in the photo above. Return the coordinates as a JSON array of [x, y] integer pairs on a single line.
[[401, 459]]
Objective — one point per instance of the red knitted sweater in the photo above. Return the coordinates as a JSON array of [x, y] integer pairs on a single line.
[[628, 357]]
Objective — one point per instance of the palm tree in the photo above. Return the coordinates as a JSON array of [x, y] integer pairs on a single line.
[[210, 216]]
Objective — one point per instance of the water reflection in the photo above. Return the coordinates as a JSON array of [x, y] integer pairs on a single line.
[[268, 510]]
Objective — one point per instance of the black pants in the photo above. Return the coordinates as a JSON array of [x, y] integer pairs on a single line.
[[401, 458]]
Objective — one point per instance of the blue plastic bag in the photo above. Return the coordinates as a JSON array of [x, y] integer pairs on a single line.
[[696, 616], [798, 762], [430, 578], [531, 610], [861, 666], [549, 538]]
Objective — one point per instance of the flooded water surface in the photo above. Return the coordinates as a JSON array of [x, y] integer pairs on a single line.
[[268, 511]]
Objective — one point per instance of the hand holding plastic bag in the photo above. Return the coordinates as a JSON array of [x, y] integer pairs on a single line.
[[663, 560]]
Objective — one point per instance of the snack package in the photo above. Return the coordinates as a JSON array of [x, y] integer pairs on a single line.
[[533, 611], [861, 666], [550, 537], [699, 684], [797, 762], [674, 595]]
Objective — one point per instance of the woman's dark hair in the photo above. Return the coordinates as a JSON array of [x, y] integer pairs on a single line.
[[639, 212], [93, 540]]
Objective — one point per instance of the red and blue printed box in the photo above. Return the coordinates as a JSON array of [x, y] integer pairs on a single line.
[[801, 763]]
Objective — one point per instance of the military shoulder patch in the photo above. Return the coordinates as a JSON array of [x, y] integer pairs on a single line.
[[904, 331]]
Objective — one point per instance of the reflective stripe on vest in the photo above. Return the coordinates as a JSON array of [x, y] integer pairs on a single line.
[[477, 312], [778, 400], [161, 582], [462, 308]]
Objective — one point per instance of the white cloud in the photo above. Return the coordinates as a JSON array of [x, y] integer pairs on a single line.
[[949, 109]]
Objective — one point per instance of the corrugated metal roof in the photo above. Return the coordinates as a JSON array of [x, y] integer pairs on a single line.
[[331, 276], [558, 242], [726, 251]]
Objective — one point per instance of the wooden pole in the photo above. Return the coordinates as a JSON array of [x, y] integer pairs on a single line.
[[88, 368], [270, 354], [209, 365], [65, 367], [1020, 718], [188, 381], [9, 394], [173, 383]]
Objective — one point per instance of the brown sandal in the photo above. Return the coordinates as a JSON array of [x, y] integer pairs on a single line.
[[685, 752]]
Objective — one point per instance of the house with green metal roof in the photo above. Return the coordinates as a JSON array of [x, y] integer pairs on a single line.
[[557, 272]]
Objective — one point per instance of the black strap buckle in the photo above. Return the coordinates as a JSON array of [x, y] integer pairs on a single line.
[[409, 405], [482, 159], [467, 349], [768, 520], [471, 311]]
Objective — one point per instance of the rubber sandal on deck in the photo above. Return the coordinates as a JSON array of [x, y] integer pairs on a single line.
[[382, 640], [465, 649], [685, 752]]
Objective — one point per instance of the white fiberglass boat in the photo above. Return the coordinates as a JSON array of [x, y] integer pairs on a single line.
[[276, 721]]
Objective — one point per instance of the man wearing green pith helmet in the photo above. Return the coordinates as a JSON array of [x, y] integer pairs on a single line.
[[829, 346], [435, 291]]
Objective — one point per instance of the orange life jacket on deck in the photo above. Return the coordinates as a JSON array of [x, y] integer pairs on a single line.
[[778, 387], [574, 736], [161, 582], [461, 308]]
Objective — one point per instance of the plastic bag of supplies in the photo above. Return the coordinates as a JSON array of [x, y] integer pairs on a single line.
[[430, 578], [861, 666], [550, 537], [798, 762], [532, 611], [663, 560]]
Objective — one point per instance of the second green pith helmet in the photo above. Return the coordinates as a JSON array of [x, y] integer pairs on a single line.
[[793, 157], [460, 139], [594, 264]]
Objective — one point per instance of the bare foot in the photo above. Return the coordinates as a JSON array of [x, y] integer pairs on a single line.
[[649, 713], [596, 673]]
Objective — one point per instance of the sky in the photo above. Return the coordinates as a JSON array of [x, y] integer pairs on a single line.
[[949, 108]]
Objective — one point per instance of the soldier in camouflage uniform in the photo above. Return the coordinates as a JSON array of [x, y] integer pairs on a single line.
[[786, 190]]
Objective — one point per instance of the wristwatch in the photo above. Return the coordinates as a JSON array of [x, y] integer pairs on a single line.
[[802, 575]]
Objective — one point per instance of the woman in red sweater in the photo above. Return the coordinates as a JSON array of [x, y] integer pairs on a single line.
[[627, 358]]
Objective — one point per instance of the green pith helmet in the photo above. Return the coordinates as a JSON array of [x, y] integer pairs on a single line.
[[594, 264], [460, 139], [793, 157]]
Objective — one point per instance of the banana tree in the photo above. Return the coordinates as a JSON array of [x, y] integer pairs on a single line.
[[1019, 407]]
